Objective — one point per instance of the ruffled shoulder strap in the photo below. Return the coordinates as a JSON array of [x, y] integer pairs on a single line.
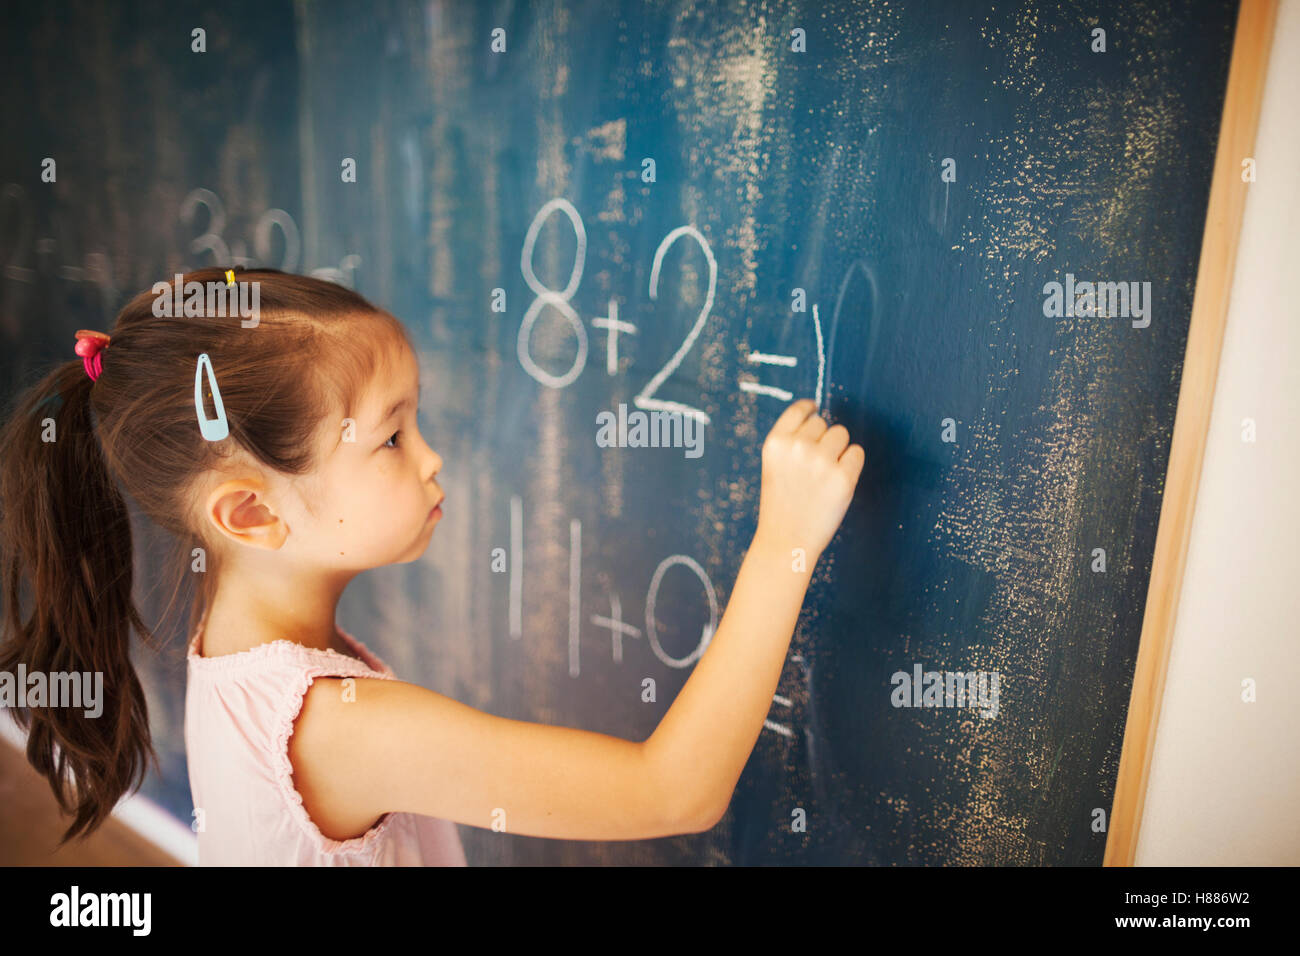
[[317, 663]]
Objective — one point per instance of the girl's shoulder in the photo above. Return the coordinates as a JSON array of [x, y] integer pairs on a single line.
[[262, 706]]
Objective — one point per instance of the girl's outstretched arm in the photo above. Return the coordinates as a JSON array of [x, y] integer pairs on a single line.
[[401, 747], [809, 476]]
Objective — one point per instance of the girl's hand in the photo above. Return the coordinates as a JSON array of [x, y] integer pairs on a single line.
[[809, 474]]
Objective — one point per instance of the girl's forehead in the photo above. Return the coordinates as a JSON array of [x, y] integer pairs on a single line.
[[391, 373], [396, 378], [396, 373], [395, 359]]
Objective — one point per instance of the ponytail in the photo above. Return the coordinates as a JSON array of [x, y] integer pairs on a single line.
[[65, 550]]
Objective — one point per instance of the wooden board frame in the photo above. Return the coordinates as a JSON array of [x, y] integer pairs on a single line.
[[1241, 107]]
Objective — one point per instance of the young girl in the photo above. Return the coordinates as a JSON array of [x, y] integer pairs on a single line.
[[303, 747]]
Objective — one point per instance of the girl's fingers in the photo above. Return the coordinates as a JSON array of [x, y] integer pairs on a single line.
[[852, 460], [794, 416], [835, 440], [813, 428]]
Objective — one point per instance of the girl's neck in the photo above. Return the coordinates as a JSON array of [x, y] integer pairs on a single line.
[[222, 636], [244, 614]]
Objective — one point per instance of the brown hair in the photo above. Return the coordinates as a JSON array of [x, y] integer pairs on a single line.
[[65, 533]]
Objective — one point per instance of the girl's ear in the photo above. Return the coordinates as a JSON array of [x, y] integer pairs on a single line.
[[242, 510]]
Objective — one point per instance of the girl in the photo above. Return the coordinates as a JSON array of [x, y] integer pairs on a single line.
[[303, 747]]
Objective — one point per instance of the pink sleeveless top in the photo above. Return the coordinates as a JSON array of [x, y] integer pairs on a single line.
[[239, 714]]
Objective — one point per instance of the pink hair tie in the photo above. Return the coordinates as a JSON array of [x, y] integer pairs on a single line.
[[89, 345]]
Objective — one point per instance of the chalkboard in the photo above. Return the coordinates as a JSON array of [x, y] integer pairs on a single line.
[[709, 209]]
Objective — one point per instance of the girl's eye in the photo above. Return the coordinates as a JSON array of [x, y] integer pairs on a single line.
[[392, 438]]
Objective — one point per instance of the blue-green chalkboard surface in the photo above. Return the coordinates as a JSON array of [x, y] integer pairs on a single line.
[[713, 209]]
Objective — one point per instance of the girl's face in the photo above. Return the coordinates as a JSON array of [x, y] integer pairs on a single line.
[[370, 502]]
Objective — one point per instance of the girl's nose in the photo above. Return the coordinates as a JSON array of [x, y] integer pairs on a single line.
[[435, 460]]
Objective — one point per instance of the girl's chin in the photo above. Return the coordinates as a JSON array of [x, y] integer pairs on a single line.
[[419, 547]]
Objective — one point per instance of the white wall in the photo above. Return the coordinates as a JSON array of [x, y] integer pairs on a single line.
[[1225, 777]]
